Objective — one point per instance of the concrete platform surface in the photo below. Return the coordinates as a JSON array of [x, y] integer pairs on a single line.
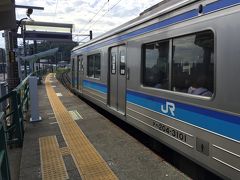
[[127, 158]]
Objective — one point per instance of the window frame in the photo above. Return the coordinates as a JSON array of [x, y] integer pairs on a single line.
[[111, 64], [170, 62], [94, 69], [144, 61], [94, 65], [80, 60]]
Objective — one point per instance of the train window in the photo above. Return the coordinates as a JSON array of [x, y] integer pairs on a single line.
[[156, 64], [94, 66], [192, 64], [90, 66], [97, 66], [122, 63], [113, 63], [79, 63]]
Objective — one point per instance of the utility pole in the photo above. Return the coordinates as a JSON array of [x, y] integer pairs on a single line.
[[90, 34]]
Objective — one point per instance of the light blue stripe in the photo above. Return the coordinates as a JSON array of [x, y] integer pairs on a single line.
[[95, 86], [215, 125]]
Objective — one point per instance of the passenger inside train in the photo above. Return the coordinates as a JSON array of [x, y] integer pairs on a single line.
[[198, 87]]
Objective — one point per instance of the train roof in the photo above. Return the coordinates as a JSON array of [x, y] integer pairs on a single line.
[[157, 10]]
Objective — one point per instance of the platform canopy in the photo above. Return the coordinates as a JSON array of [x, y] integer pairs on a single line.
[[7, 14], [33, 58]]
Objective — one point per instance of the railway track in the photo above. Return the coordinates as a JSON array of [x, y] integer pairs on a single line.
[[64, 79]]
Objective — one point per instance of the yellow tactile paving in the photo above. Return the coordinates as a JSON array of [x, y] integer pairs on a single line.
[[52, 163], [88, 161], [65, 151]]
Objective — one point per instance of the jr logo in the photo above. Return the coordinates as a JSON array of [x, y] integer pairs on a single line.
[[169, 107]]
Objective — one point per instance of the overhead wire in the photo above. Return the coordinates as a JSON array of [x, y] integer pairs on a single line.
[[99, 10], [94, 16], [56, 7], [55, 12], [106, 12], [100, 17], [83, 39]]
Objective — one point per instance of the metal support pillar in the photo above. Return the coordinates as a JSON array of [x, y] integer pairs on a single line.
[[12, 65], [23, 29], [35, 52], [34, 99]]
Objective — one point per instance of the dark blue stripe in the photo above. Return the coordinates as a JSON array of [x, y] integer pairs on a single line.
[[207, 112], [96, 86], [219, 5], [218, 122], [173, 20], [167, 22]]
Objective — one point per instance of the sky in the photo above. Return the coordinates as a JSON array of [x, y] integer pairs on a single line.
[[98, 15]]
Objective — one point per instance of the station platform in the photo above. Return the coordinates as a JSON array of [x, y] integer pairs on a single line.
[[74, 141]]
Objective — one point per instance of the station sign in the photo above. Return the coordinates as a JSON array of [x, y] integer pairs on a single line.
[[35, 30], [50, 36]]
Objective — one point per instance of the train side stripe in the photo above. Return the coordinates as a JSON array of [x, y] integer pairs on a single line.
[[209, 8], [214, 114], [102, 88], [217, 122]]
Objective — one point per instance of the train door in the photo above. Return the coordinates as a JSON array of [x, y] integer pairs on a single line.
[[80, 70], [77, 72], [117, 79], [73, 73]]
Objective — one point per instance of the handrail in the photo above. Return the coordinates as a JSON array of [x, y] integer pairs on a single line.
[[15, 89], [11, 121], [6, 96], [18, 100], [23, 82]]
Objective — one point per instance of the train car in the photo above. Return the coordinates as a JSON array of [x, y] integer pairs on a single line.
[[172, 72]]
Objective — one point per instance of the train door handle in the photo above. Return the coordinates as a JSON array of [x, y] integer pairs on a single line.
[[128, 73]]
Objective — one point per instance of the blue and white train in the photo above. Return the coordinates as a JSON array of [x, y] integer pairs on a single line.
[[172, 72]]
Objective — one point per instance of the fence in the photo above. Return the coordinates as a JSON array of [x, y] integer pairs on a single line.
[[13, 104], [4, 166]]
